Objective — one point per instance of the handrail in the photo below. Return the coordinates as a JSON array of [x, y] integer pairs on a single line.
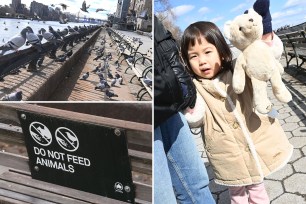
[[12, 61]]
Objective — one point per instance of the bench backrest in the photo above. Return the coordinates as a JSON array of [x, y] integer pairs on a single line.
[[139, 135]]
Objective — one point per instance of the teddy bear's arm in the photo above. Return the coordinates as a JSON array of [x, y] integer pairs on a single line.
[[239, 74]]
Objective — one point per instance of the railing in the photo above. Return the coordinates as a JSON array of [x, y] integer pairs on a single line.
[[10, 62]]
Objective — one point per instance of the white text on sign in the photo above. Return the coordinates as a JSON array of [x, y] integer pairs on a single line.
[[59, 160]]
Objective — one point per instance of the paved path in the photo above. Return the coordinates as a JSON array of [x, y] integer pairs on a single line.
[[288, 185]]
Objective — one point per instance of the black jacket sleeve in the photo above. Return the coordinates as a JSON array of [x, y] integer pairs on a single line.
[[173, 86]]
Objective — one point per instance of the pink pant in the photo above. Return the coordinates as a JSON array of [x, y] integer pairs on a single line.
[[252, 194]]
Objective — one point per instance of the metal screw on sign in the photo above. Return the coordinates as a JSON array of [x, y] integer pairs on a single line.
[[36, 168], [23, 116], [127, 188], [117, 132]]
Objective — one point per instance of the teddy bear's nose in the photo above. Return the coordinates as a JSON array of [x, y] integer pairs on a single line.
[[251, 20]]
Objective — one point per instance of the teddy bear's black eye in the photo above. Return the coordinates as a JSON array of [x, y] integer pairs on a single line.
[[240, 28]]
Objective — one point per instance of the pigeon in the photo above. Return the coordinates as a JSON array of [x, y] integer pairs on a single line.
[[63, 33], [110, 75], [131, 60], [15, 42], [117, 75], [110, 94], [109, 56], [55, 34], [113, 82], [69, 53], [95, 70], [76, 28], [40, 61], [147, 81], [72, 31], [122, 49], [100, 86], [98, 56], [106, 85], [100, 74], [15, 96], [49, 36], [84, 8], [120, 80], [85, 76], [61, 58], [64, 6], [33, 39]]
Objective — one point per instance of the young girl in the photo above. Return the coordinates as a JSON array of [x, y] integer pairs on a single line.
[[242, 147]]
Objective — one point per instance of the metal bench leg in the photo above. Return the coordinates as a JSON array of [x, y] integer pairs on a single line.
[[140, 92], [303, 61], [133, 78], [143, 95], [127, 69]]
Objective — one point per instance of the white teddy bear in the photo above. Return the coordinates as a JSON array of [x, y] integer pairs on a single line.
[[256, 60]]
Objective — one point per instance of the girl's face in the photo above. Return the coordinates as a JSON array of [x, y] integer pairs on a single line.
[[204, 59]]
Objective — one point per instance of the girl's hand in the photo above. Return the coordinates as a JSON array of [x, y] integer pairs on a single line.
[[195, 116]]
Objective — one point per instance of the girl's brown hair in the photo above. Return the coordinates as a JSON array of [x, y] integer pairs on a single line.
[[212, 34]]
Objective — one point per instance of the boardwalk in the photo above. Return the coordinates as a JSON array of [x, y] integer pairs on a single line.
[[286, 186], [73, 89]]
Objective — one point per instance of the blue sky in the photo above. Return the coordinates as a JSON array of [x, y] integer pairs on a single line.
[[284, 12], [75, 5]]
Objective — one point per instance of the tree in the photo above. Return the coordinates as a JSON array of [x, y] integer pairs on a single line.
[[164, 13], [162, 5]]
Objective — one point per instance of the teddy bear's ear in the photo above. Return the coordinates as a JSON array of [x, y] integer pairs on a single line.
[[226, 29]]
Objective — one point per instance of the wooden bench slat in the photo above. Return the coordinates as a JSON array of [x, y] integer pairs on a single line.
[[144, 192], [33, 195], [14, 161], [39, 187], [7, 200], [9, 110], [21, 197]]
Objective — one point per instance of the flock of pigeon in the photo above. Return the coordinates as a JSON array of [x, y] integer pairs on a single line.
[[28, 37], [106, 78], [103, 71], [57, 38]]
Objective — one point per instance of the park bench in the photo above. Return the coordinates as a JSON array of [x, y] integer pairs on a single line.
[[130, 45], [16, 182], [139, 63], [294, 47], [142, 68]]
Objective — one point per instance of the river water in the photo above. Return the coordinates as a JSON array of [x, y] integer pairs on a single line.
[[11, 27]]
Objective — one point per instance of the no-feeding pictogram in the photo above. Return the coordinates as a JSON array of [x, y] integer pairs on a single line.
[[40, 133], [67, 139]]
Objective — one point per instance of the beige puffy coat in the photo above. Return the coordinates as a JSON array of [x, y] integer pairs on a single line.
[[241, 146]]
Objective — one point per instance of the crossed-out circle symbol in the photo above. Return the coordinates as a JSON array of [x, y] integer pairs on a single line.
[[40, 133], [66, 139], [118, 187]]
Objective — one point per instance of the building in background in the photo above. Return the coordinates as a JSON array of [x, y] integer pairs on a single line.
[[143, 10], [133, 15]]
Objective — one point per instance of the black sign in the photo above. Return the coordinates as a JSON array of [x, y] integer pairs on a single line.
[[83, 156]]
